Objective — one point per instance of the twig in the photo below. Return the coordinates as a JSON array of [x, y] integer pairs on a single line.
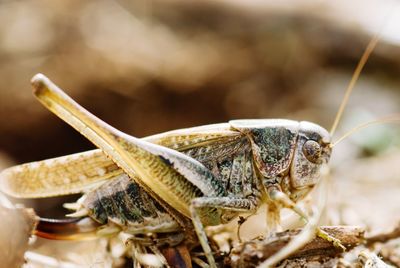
[[253, 252], [395, 233], [371, 260]]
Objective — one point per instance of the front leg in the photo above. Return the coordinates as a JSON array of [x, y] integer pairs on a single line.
[[277, 195], [199, 215]]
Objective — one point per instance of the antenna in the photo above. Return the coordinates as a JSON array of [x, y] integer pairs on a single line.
[[368, 50], [387, 119]]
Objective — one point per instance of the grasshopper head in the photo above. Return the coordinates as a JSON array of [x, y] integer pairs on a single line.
[[288, 149], [312, 151]]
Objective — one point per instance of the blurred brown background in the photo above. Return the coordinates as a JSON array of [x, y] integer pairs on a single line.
[[147, 67], [150, 66]]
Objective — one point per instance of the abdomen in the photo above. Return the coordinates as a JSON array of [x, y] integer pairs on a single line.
[[123, 202]]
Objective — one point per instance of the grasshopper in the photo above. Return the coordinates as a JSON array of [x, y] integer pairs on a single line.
[[168, 183]]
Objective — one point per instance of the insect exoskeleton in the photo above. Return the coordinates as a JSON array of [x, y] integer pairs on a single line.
[[222, 170], [174, 183]]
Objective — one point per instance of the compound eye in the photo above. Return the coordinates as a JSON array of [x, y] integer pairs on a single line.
[[312, 151]]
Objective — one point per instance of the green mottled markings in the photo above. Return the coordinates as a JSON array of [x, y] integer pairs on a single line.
[[275, 144]]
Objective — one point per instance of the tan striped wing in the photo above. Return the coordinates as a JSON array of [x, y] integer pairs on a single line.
[[58, 176], [82, 171]]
